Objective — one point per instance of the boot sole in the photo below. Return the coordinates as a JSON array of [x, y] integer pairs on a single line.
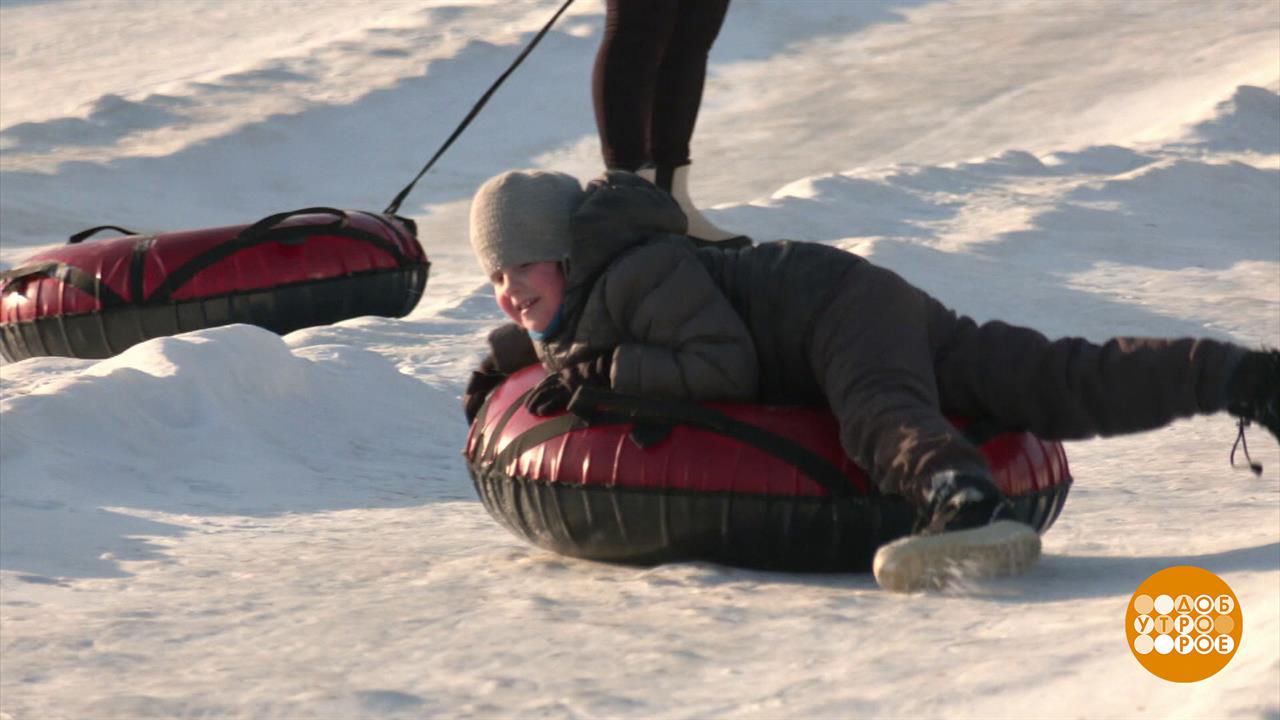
[[933, 562]]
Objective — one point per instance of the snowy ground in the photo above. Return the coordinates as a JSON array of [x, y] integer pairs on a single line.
[[231, 524]]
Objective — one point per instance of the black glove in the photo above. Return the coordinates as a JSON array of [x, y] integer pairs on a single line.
[[510, 350], [552, 394], [483, 381]]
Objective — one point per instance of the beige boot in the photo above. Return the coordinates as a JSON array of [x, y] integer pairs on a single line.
[[676, 182], [957, 557]]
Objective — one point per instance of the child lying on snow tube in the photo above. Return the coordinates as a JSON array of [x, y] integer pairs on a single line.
[[613, 294]]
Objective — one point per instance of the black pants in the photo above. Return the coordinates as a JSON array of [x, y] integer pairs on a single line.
[[648, 78], [893, 362]]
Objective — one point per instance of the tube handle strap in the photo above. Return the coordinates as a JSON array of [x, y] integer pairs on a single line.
[[86, 234], [267, 230], [269, 223]]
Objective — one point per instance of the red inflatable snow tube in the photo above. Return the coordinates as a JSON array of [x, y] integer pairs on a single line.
[[645, 481], [285, 272]]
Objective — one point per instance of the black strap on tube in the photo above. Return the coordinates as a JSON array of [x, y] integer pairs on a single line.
[[86, 234], [651, 419], [650, 415], [67, 275]]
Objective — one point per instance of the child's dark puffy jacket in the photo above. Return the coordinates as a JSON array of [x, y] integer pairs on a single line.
[[806, 323], [703, 324]]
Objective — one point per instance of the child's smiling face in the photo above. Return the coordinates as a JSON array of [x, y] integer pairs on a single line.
[[530, 294]]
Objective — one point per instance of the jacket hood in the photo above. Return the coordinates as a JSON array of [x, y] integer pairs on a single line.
[[620, 210]]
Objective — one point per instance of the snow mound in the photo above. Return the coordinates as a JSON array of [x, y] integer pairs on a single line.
[[222, 421], [1248, 122]]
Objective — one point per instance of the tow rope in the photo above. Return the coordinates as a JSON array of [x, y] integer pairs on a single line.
[[394, 207]]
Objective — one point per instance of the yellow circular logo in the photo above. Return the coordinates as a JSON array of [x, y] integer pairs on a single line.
[[1183, 624]]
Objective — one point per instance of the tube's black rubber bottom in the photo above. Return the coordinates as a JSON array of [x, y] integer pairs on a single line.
[[646, 527]]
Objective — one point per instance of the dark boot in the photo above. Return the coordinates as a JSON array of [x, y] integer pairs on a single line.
[[958, 501], [1253, 393]]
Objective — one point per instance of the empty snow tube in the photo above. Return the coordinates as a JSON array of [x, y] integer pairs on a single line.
[[288, 271], [645, 481]]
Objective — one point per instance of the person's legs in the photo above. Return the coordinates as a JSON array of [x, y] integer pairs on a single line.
[[872, 355], [636, 35], [889, 357], [1072, 388], [873, 352], [676, 101], [680, 78]]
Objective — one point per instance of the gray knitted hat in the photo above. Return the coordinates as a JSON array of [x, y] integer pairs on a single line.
[[522, 216]]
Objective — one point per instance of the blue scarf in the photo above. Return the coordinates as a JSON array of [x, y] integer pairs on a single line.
[[551, 328]]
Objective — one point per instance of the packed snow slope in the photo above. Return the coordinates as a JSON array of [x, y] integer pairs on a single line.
[[233, 524]]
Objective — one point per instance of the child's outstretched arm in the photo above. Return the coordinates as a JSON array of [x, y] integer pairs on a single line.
[[685, 340]]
